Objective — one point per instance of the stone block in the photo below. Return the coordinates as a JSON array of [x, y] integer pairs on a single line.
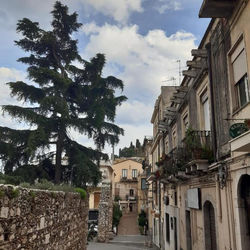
[[4, 212]]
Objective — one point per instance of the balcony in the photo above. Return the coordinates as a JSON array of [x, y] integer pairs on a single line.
[[131, 197], [217, 8], [198, 149], [241, 143], [126, 179], [195, 154]]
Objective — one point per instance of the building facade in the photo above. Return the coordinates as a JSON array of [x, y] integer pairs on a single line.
[[200, 178], [125, 183]]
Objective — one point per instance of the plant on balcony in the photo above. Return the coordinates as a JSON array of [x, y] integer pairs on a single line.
[[195, 149], [247, 122], [192, 141]]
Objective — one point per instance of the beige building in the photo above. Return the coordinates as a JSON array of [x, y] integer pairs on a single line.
[[125, 183], [200, 179]]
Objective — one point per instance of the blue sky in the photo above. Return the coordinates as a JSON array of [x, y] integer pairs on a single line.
[[142, 40]]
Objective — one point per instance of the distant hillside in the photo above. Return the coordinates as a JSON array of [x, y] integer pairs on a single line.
[[132, 151]]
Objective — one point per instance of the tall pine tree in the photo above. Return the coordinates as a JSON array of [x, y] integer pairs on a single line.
[[63, 98]]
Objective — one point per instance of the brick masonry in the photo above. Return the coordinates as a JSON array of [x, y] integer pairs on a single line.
[[38, 219]]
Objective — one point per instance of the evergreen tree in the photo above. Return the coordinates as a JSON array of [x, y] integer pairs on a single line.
[[138, 144], [63, 97]]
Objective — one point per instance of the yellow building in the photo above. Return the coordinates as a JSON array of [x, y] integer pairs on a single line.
[[125, 183]]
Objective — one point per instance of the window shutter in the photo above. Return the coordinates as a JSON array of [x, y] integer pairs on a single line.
[[239, 66]]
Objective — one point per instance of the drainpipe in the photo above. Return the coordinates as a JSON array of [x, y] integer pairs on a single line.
[[210, 75]]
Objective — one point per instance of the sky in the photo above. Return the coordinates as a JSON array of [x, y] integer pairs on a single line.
[[143, 40]]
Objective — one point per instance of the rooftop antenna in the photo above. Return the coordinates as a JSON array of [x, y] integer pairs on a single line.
[[171, 79]]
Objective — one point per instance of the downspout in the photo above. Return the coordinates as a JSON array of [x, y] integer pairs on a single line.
[[210, 75]]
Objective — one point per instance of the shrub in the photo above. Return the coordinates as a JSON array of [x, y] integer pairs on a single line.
[[117, 198], [117, 214], [82, 193], [142, 219]]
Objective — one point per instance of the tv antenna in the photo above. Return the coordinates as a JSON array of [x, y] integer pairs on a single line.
[[173, 79]]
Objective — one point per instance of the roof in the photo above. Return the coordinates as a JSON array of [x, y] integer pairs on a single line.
[[120, 160]]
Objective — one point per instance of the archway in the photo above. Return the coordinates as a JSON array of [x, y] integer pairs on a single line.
[[209, 226], [244, 210]]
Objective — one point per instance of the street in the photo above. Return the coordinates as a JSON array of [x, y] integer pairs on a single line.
[[133, 242]]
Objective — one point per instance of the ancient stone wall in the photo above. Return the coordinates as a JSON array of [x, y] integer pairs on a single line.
[[105, 213], [37, 219]]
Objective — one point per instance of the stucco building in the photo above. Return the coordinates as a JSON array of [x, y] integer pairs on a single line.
[[200, 178], [125, 183]]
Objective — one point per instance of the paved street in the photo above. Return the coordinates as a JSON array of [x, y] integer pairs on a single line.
[[128, 242], [128, 224]]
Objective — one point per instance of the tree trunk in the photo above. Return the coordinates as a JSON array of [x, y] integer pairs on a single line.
[[59, 149]]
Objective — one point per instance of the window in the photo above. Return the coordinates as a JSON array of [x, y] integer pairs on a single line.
[[174, 139], [131, 192], [134, 173], [185, 122], [205, 111], [166, 147], [143, 184], [240, 79], [124, 173], [167, 228]]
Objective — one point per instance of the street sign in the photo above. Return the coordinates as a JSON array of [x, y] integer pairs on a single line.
[[237, 129]]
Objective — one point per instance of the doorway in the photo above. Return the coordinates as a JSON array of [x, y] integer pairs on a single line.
[[209, 226], [188, 230], [244, 210]]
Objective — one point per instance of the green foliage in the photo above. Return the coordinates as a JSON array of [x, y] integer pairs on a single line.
[[1, 194], [117, 198], [63, 97], [117, 214], [82, 193], [32, 194], [142, 219], [13, 193], [25, 185], [9, 179], [132, 151]]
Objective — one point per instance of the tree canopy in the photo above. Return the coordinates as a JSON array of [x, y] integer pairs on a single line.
[[67, 93], [132, 151]]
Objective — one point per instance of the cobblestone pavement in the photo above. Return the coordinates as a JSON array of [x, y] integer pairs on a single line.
[[128, 224]]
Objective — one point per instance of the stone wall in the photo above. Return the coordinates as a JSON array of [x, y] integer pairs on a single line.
[[37, 219], [105, 213]]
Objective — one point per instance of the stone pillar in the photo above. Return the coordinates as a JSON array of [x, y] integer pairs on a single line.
[[104, 213]]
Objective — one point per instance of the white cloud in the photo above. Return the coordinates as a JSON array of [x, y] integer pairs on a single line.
[[8, 75], [134, 112], [120, 10], [146, 61], [168, 5]]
